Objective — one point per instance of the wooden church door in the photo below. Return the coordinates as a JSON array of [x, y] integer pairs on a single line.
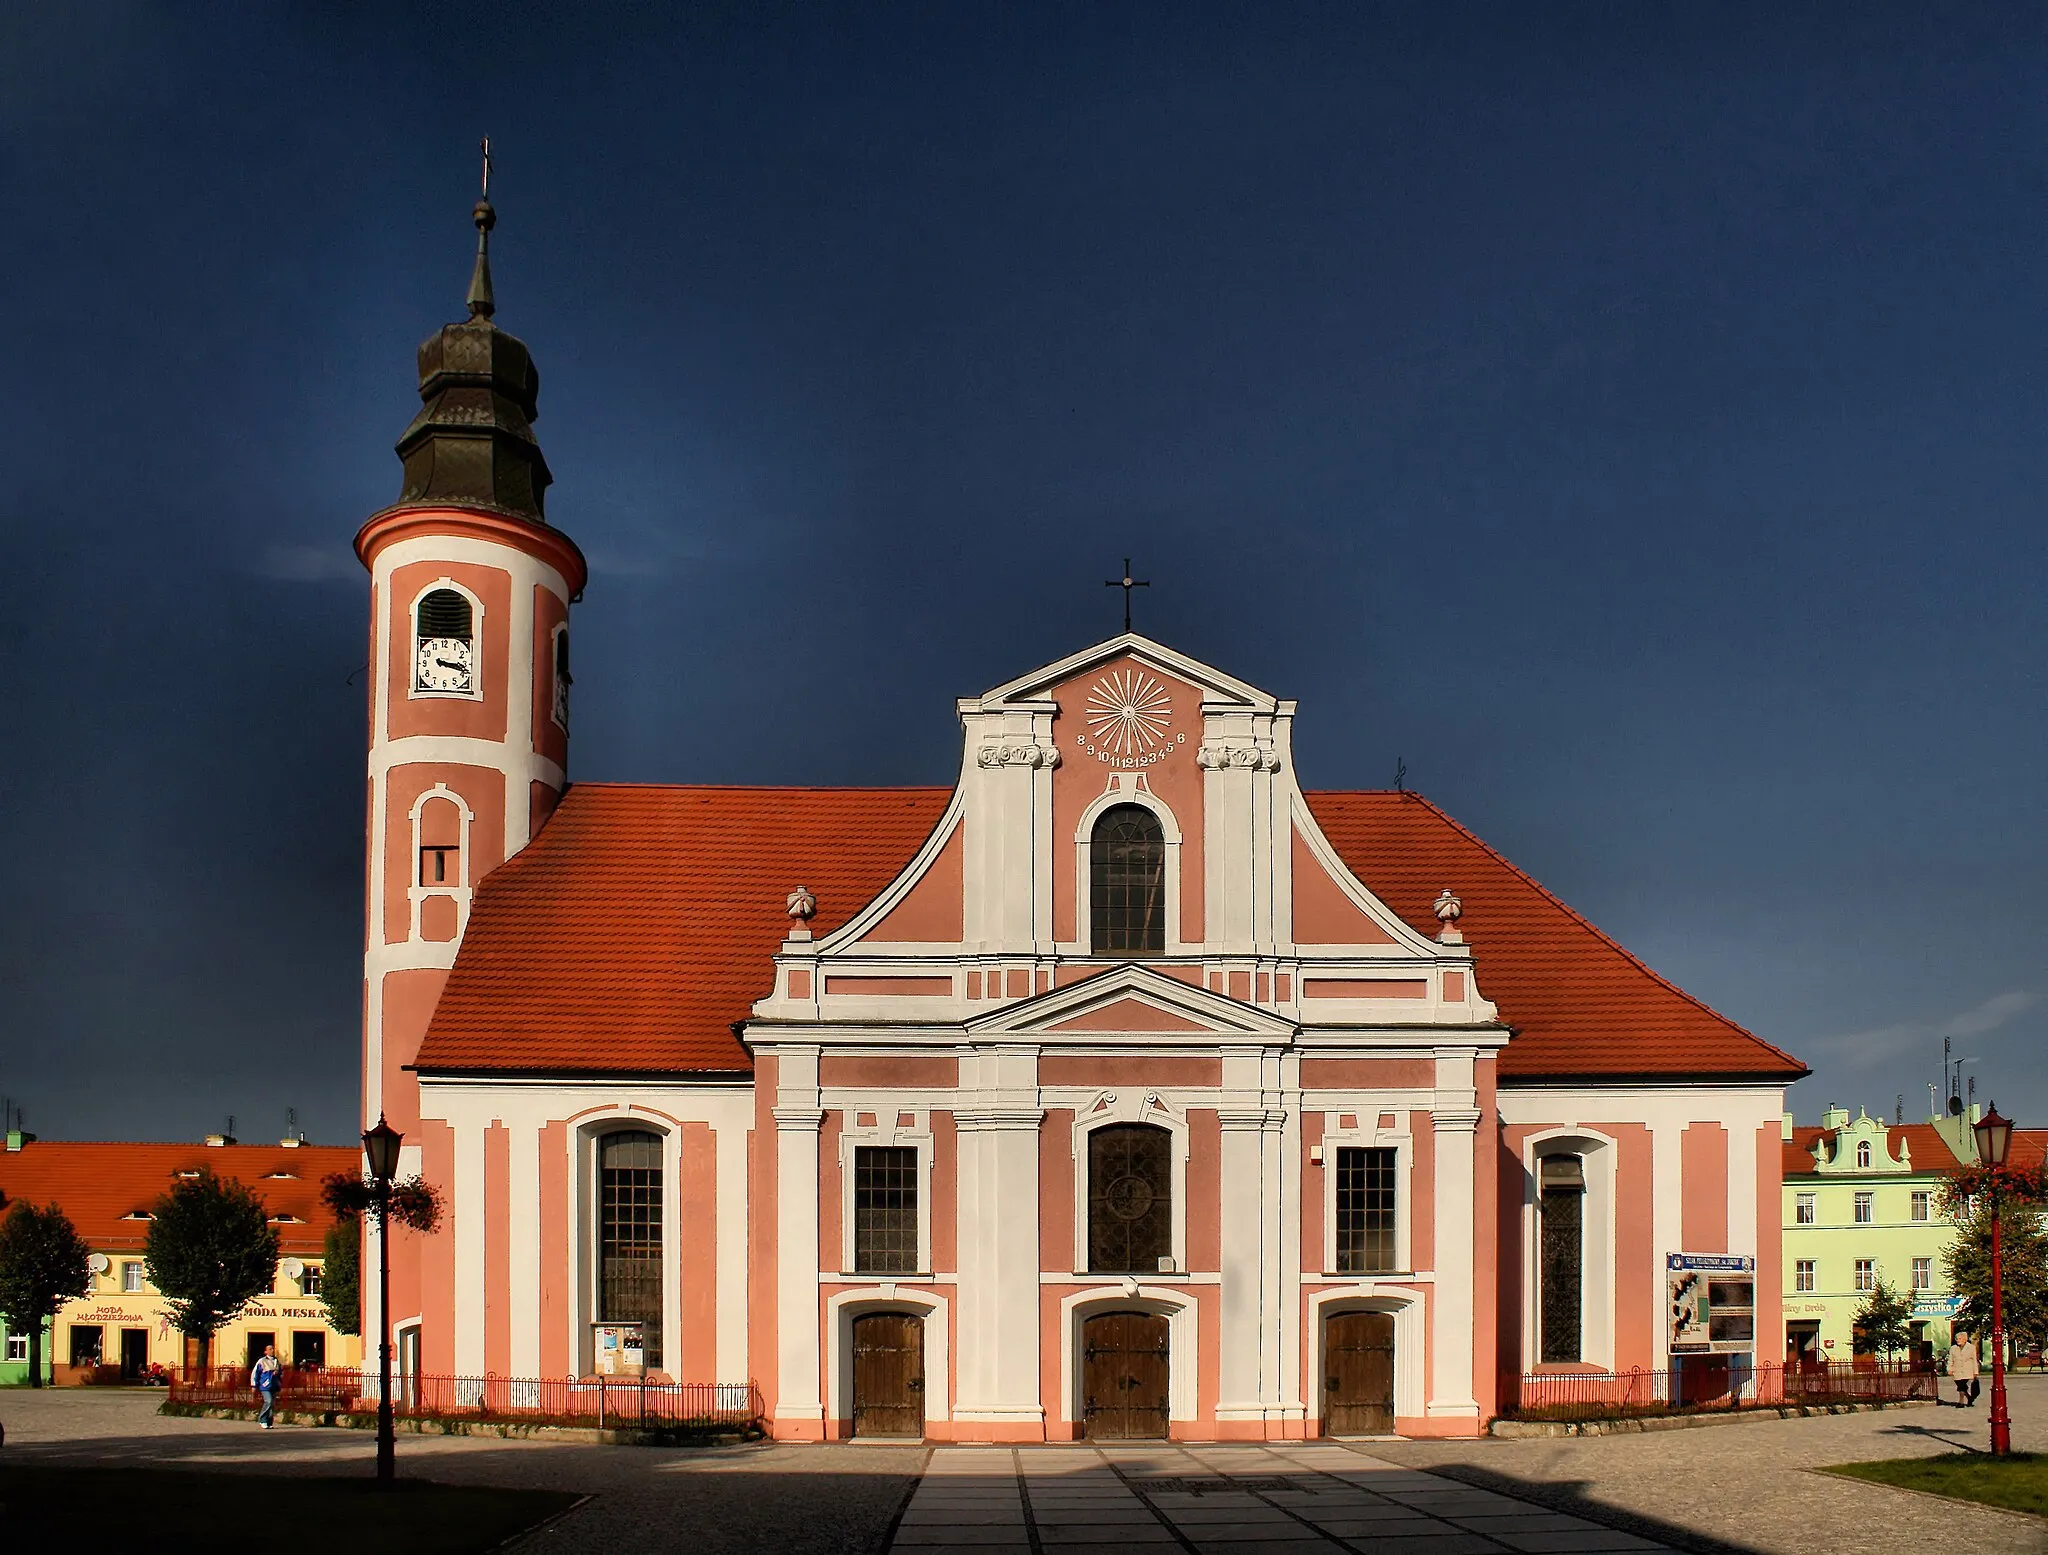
[[1358, 1374], [888, 1374], [1125, 1374]]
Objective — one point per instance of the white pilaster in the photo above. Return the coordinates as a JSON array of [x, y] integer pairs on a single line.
[[797, 1117], [997, 1236], [523, 1248], [732, 1252], [467, 1197], [1456, 1147]]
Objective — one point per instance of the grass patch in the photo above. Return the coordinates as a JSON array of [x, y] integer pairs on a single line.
[[2018, 1481], [183, 1510]]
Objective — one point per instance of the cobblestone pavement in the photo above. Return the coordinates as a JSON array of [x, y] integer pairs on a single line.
[[1258, 1500], [1745, 1487], [1751, 1485]]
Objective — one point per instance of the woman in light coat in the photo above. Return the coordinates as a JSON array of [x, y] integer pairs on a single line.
[[1962, 1369]]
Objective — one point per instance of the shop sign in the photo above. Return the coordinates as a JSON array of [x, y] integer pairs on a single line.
[[1711, 1303], [1936, 1306]]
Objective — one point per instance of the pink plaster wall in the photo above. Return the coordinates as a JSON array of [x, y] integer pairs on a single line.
[[908, 1073], [497, 1250], [1422, 1225], [478, 719], [1314, 1197], [931, 913], [1323, 914], [1355, 1073], [830, 1249], [1080, 1069], [1703, 1159], [1205, 1190], [694, 1355], [1056, 1193], [1637, 1300], [437, 1258], [945, 1196]]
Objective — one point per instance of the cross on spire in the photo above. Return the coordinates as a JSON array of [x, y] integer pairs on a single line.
[[1127, 583]]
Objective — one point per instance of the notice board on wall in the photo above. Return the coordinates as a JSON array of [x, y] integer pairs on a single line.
[[1711, 1303]]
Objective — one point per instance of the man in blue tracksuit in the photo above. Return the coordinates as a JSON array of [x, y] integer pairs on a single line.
[[266, 1378]]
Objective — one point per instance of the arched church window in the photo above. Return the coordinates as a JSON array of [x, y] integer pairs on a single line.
[[1862, 1152], [444, 647], [1130, 1198], [1560, 1273], [1127, 880], [629, 1235]]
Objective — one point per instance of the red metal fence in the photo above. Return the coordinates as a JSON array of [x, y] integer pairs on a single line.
[[622, 1403], [1708, 1385]]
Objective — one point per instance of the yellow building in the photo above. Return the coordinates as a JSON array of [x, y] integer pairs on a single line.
[[120, 1329]]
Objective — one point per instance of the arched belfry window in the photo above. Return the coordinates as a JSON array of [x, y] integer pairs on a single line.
[[1127, 881], [444, 647], [629, 1235], [1130, 1198], [563, 680]]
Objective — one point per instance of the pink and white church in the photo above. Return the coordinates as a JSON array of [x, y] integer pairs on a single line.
[[1121, 1087]]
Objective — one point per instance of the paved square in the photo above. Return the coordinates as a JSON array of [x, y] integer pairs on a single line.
[[1259, 1500]]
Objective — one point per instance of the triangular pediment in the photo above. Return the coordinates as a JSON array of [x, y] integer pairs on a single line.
[[1217, 687], [1132, 1000]]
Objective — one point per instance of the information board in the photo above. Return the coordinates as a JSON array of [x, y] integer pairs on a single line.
[[1711, 1303]]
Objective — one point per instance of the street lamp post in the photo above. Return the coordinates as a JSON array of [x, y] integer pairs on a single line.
[[380, 1147], [1994, 1139]]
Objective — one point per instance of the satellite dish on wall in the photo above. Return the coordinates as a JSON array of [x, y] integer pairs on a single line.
[[293, 1268], [98, 1263]]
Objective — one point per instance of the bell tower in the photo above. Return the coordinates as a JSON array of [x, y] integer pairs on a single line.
[[470, 590]]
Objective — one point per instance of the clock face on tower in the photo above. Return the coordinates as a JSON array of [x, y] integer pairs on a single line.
[[444, 664]]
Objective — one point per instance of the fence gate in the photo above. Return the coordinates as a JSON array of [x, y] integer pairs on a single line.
[[888, 1374], [1126, 1370], [1358, 1374]]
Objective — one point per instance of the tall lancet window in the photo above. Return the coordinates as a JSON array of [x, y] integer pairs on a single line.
[[1561, 1266], [1127, 881], [629, 1235]]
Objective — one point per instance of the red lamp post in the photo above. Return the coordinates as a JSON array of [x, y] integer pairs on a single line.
[[380, 1149], [1994, 1139]]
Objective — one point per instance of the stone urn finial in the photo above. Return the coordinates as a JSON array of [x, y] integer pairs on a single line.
[[1448, 911], [803, 907]]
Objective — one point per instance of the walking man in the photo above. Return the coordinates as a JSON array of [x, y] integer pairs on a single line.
[[266, 1378]]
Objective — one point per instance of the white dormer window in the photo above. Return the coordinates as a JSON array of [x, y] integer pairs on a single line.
[[1863, 1152]]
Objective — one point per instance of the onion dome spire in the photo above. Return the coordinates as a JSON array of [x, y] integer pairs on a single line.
[[472, 444]]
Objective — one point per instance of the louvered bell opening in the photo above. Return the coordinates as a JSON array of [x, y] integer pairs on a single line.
[[444, 613]]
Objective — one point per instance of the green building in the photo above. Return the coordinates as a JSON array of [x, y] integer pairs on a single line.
[[1862, 1204]]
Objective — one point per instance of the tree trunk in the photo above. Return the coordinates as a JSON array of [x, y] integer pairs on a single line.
[[35, 1355]]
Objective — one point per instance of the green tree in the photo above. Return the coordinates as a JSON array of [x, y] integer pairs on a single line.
[[43, 1264], [1884, 1323], [341, 1290], [2024, 1255], [211, 1252]]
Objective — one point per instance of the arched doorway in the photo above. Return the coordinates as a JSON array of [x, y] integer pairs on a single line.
[[1358, 1374], [888, 1374], [1126, 1371]]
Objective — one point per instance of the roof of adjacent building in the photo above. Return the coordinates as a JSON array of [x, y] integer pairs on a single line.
[[1929, 1150], [107, 1188], [641, 924]]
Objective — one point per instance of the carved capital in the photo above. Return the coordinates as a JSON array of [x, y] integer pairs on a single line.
[[1215, 757], [1017, 753]]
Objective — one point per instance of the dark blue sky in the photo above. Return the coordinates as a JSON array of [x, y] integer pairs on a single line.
[[1632, 416]]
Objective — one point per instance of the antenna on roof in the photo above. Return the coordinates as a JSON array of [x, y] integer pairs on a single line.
[[230, 1129], [1899, 1112], [1400, 776], [1973, 1090], [1933, 1106]]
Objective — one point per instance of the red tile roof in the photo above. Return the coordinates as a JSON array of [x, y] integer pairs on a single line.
[[639, 925], [99, 1185], [1579, 1003], [1930, 1151]]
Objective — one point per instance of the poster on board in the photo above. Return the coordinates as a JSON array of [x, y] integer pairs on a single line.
[[1710, 1303], [619, 1352]]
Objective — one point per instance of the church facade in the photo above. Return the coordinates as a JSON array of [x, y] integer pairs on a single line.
[[1121, 1088]]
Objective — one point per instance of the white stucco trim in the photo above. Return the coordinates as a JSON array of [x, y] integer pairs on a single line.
[[1598, 1265], [459, 891], [1127, 788], [1131, 1295], [414, 690], [1410, 1310], [840, 1311]]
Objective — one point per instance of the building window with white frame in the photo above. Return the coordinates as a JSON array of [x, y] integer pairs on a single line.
[[629, 1212], [1865, 1212], [17, 1347], [309, 1280], [1866, 1274], [885, 1209], [1365, 1210], [131, 1276], [1802, 1274], [1923, 1274], [1923, 1204], [1803, 1210], [1863, 1153]]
